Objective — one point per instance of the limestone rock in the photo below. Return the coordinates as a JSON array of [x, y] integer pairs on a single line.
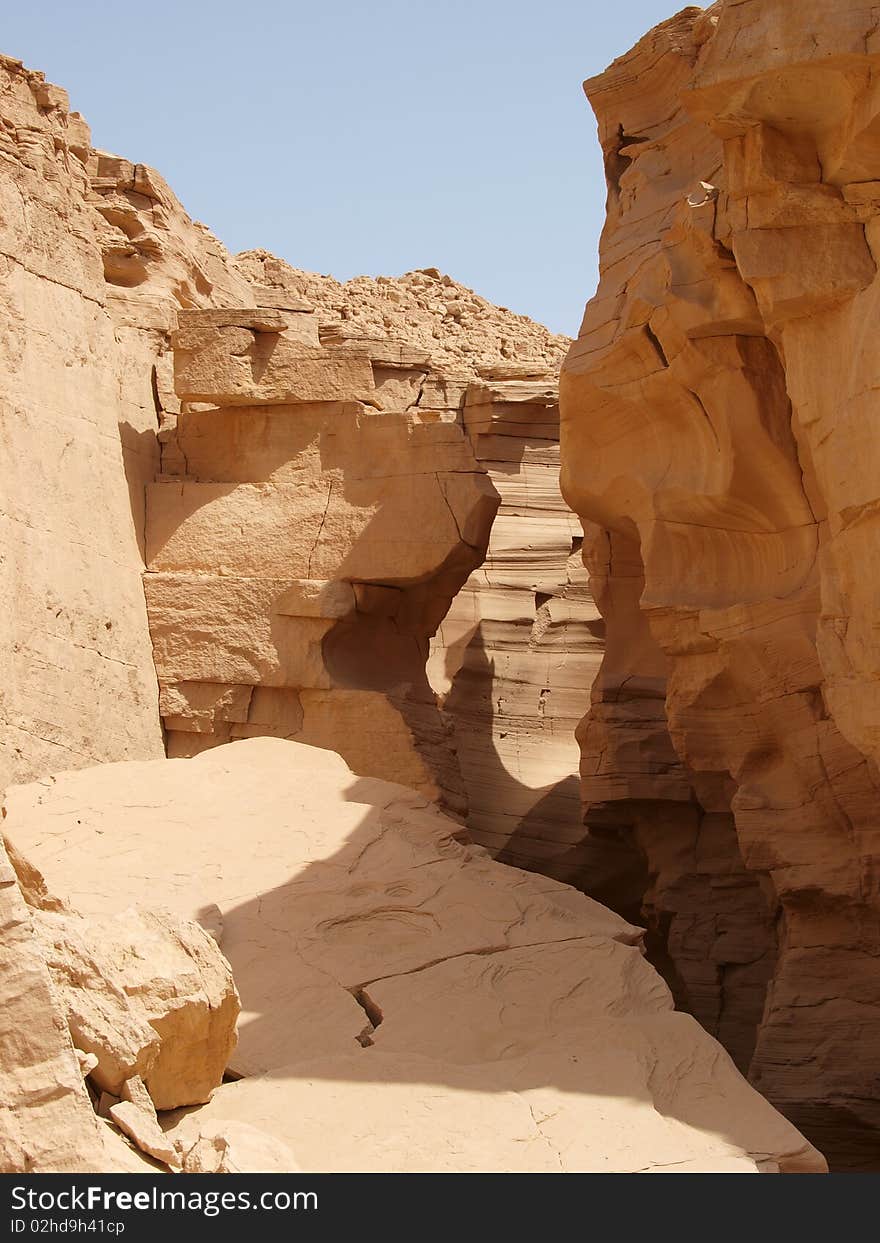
[[250, 428], [426, 312], [87, 1062], [135, 1091], [320, 506], [391, 974], [383, 524], [97, 255], [149, 995], [717, 416]]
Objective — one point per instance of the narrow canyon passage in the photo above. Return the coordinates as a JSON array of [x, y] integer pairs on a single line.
[[521, 644]]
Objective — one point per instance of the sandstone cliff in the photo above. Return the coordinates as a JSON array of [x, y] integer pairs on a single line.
[[319, 507], [306, 524], [718, 415], [303, 477], [97, 257], [77, 684]]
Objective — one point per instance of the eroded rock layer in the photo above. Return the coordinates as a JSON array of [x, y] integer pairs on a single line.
[[288, 454], [515, 655], [315, 517], [329, 484], [97, 256], [90, 1005], [76, 679], [407, 1003], [719, 433]]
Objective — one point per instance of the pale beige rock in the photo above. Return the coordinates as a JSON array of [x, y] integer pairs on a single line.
[[87, 1062], [46, 1120], [308, 539], [445, 1012], [144, 1132], [426, 310], [224, 1146], [97, 256], [717, 429], [355, 501], [76, 679], [245, 364], [149, 995], [135, 1091], [47, 1124], [281, 426]]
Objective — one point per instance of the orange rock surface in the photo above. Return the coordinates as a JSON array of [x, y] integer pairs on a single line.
[[718, 416]]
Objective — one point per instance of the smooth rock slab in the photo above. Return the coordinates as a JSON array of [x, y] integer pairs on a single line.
[[407, 1002]]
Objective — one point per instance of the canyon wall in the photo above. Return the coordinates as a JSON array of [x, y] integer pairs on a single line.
[[340, 502], [719, 432], [77, 684], [97, 255], [290, 459], [515, 655], [319, 508], [329, 487]]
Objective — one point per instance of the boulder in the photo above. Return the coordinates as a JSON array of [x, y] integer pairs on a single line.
[[148, 994]]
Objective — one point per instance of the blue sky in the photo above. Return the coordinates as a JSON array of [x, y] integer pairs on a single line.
[[368, 137]]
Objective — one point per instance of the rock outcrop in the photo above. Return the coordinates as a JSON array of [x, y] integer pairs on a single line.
[[307, 534], [97, 256], [718, 415], [47, 1122], [407, 1003], [328, 486], [147, 994], [77, 684], [514, 657], [321, 465]]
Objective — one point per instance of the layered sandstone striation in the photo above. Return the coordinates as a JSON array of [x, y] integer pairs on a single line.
[[240, 500], [407, 1003], [309, 471], [314, 518], [718, 415], [328, 489], [516, 653]]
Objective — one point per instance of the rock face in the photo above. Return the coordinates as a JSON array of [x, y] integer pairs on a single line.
[[149, 995], [310, 538], [445, 1011], [97, 255], [327, 489], [310, 471], [78, 684], [718, 427], [515, 655], [47, 1123]]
